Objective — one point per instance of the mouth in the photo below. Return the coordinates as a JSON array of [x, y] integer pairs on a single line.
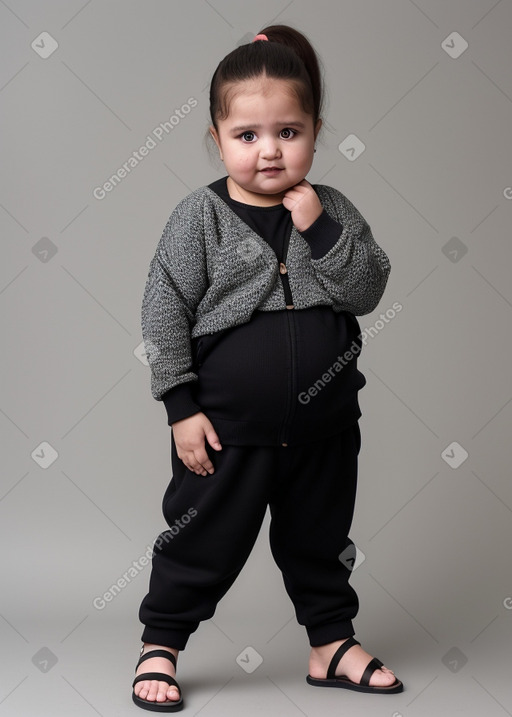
[[271, 170]]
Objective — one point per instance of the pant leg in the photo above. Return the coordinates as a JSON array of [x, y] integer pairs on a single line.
[[214, 521], [312, 509]]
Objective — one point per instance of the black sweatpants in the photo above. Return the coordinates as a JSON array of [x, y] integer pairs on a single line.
[[214, 521]]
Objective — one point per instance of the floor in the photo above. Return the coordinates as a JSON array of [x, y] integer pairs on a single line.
[[90, 673]]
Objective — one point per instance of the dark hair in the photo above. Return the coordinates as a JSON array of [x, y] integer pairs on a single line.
[[288, 55]]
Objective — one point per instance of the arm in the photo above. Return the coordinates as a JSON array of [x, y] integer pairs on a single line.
[[322, 235], [355, 270], [348, 263], [175, 285]]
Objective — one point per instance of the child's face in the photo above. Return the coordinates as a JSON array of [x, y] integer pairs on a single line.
[[269, 114]]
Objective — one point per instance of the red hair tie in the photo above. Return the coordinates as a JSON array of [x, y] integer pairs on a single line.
[[260, 37]]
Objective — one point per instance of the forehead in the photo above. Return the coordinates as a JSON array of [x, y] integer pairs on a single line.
[[259, 98]]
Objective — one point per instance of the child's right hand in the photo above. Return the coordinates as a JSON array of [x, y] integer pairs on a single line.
[[189, 434]]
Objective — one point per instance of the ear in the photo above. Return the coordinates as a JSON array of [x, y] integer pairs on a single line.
[[215, 136], [317, 127]]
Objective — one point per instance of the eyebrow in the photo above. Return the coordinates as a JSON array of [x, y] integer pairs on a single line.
[[246, 127]]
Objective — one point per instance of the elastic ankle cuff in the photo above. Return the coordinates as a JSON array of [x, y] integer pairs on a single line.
[[167, 638], [324, 634]]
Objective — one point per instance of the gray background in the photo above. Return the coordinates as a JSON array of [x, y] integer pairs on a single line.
[[434, 183]]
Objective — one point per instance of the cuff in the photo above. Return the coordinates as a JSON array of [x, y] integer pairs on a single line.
[[322, 235], [180, 402]]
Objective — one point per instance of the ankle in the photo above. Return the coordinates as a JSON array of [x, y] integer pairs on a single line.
[[328, 645]]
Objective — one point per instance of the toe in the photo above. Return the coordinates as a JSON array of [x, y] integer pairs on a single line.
[[382, 678], [153, 691], [173, 693], [141, 689], [161, 695]]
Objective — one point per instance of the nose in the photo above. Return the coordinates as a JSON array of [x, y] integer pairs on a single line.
[[270, 148]]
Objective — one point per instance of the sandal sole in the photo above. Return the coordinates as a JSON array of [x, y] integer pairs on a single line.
[[347, 684]]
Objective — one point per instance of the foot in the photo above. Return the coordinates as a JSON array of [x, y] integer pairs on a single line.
[[154, 690], [352, 664]]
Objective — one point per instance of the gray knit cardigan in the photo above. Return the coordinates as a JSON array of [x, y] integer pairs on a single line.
[[211, 271]]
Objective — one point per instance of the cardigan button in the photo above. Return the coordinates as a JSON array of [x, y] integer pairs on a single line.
[[284, 444], [289, 306], [282, 268]]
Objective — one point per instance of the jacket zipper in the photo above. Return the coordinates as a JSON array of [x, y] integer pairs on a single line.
[[291, 339], [284, 274]]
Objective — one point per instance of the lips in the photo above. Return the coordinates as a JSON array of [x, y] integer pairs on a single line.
[[271, 169]]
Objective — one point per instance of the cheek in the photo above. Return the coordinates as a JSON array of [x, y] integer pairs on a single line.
[[301, 152], [300, 159], [245, 162]]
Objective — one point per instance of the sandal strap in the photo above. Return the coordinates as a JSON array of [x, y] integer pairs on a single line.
[[160, 676], [157, 653], [373, 665], [342, 649]]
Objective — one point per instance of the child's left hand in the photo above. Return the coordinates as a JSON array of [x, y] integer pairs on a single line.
[[302, 201]]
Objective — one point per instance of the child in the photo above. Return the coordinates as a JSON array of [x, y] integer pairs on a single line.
[[249, 326]]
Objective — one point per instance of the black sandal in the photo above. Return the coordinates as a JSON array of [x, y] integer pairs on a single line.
[[343, 681], [168, 705]]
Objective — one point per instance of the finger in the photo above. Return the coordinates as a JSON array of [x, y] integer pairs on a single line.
[[204, 459], [300, 184], [297, 196], [195, 466], [188, 460], [209, 467], [295, 191], [213, 440]]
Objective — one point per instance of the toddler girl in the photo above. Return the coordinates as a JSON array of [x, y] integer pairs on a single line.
[[250, 329]]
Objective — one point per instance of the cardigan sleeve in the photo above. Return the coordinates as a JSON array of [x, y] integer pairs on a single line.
[[355, 270], [180, 402], [322, 235], [175, 285]]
